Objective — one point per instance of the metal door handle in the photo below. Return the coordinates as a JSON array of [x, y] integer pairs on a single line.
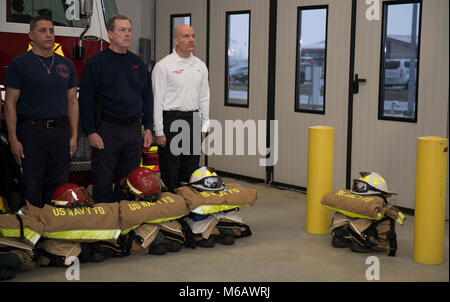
[[355, 83]]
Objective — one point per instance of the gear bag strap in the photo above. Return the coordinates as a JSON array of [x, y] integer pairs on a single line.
[[22, 236], [392, 237]]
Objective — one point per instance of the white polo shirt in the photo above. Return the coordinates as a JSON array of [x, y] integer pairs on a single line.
[[180, 84]]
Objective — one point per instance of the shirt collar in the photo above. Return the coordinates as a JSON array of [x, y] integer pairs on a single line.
[[179, 59]]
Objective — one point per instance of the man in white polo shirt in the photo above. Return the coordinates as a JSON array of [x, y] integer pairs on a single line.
[[181, 92]]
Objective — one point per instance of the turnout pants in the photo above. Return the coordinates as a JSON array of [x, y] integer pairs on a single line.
[[46, 163], [176, 166], [122, 154]]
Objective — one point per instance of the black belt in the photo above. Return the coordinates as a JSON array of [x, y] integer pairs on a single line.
[[178, 113], [123, 122], [46, 123]]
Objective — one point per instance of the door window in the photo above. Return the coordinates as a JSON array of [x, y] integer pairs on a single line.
[[399, 62], [311, 59], [176, 20], [237, 59]]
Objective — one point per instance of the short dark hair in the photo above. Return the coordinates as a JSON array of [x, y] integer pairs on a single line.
[[112, 21], [34, 21]]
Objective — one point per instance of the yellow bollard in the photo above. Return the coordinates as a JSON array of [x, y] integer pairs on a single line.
[[431, 182], [320, 178]]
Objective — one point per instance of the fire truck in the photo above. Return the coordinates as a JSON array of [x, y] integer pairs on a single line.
[[80, 32]]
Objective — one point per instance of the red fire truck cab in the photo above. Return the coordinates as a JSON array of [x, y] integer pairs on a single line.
[[80, 29]]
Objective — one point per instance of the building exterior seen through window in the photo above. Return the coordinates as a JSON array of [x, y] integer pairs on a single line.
[[399, 61], [237, 59], [176, 20], [311, 59]]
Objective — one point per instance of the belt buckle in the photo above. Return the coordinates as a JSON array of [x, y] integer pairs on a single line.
[[50, 124]]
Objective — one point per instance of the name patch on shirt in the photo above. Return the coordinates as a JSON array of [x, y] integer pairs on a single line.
[[178, 71]]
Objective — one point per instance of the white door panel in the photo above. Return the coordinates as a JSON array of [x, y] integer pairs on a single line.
[[389, 147]]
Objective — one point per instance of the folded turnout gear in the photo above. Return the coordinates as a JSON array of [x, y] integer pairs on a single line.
[[26, 229], [53, 252], [230, 226], [18, 236], [134, 213], [365, 223], [173, 235], [143, 237], [83, 224], [374, 235], [208, 202], [373, 207], [340, 233]]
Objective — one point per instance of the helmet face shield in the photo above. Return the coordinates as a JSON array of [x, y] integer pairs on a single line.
[[210, 182], [371, 183], [360, 186]]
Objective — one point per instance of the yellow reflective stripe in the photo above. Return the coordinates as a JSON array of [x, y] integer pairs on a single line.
[[401, 218], [133, 189], [354, 215], [204, 210], [164, 219], [129, 230], [124, 232], [29, 234], [84, 234]]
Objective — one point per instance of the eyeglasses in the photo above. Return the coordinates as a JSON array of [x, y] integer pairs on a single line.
[[360, 186], [210, 182]]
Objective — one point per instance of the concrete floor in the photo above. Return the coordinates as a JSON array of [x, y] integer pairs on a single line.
[[278, 250]]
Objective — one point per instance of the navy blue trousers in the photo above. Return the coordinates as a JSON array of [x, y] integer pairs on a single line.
[[46, 163], [122, 154]]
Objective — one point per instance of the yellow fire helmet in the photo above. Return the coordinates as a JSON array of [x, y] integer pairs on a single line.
[[206, 179], [370, 183]]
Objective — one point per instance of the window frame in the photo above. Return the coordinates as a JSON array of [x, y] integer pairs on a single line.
[[227, 31], [105, 17], [55, 21], [172, 16], [381, 89], [297, 61]]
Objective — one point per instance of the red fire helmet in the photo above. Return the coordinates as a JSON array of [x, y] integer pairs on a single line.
[[70, 195], [143, 183]]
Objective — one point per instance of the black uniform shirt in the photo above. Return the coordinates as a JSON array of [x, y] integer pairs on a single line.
[[125, 87], [42, 95]]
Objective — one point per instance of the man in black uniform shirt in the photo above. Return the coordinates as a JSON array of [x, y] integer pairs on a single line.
[[41, 90], [116, 82]]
